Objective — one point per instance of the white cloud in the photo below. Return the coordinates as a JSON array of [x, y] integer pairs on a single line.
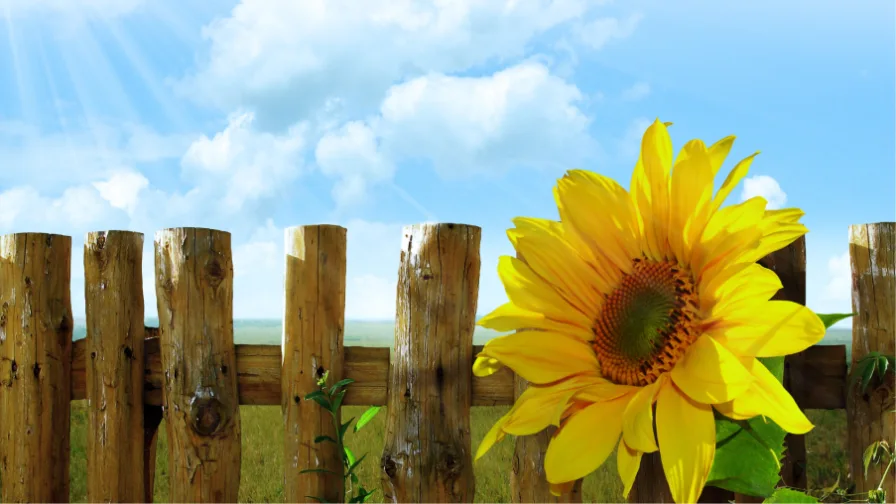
[[598, 33], [287, 59], [24, 206], [767, 187], [122, 190], [638, 91], [351, 154], [241, 164], [520, 116]]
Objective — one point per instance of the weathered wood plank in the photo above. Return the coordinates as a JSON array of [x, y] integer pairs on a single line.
[[258, 376], [313, 321], [428, 453], [113, 287], [194, 291], [35, 366], [872, 251]]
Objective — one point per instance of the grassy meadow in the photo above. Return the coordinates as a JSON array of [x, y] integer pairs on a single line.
[[262, 436]]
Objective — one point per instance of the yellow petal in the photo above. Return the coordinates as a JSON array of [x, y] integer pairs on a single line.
[[600, 212], [494, 435], [774, 329], [540, 406], [730, 232], [773, 238], [558, 489], [628, 461], [541, 356], [604, 390], [692, 191], [583, 443], [734, 177], [656, 166], [510, 317], [753, 285], [542, 245], [486, 366], [718, 152], [785, 215], [709, 373], [529, 291], [767, 397], [637, 423], [687, 434]]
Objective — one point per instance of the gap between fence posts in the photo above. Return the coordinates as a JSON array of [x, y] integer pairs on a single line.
[[113, 294], [194, 291], [313, 326], [35, 366], [428, 454], [869, 417]]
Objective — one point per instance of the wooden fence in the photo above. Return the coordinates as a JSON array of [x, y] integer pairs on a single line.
[[189, 374]]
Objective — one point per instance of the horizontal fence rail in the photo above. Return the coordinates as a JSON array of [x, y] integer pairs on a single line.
[[821, 383]]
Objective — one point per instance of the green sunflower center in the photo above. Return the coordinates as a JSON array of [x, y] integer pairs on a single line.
[[646, 323]]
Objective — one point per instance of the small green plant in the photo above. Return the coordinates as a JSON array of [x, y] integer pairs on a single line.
[[330, 399], [869, 366]]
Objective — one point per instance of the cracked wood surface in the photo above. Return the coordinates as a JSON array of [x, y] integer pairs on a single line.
[[194, 291], [313, 323], [428, 454], [869, 417], [113, 288], [35, 366]]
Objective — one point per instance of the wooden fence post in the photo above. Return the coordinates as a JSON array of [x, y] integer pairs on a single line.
[[35, 366], [428, 453], [872, 251], [650, 485], [113, 289], [194, 289], [313, 324]]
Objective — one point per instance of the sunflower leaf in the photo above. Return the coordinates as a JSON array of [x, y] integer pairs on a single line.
[[789, 495], [829, 319], [749, 452]]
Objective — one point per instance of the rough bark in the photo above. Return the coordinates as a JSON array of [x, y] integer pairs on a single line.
[[35, 366], [428, 454], [313, 324], [194, 289], [872, 250], [113, 287]]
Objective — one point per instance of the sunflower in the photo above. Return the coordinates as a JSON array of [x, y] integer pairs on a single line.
[[646, 298]]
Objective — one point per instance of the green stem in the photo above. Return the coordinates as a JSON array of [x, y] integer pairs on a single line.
[[340, 447], [881, 484]]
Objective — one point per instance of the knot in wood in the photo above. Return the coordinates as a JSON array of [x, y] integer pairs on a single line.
[[389, 466], [214, 273], [206, 412]]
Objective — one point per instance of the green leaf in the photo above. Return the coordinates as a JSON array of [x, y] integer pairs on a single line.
[[324, 403], [327, 471], [354, 478], [351, 469], [883, 363], [319, 439], [349, 456], [344, 427], [829, 319], [787, 495], [337, 401], [868, 373], [317, 393], [748, 453], [870, 455], [340, 384], [366, 417]]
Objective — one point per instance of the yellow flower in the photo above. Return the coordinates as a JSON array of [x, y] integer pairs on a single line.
[[642, 298]]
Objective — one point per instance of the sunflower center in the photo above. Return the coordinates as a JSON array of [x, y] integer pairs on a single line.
[[647, 323]]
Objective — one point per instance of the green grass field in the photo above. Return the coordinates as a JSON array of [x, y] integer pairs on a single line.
[[262, 468]]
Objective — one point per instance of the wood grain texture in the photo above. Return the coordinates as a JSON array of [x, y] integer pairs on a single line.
[[258, 376], [428, 454], [35, 366], [113, 290], [313, 323], [872, 251], [194, 291]]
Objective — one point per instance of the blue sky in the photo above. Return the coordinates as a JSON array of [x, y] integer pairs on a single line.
[[254, 116]]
